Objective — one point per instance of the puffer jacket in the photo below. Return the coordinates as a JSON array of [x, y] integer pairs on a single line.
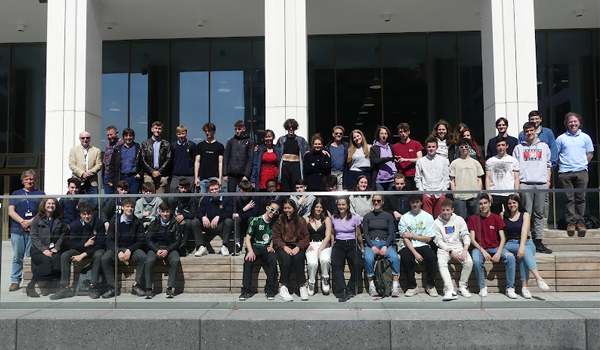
[[238, 156]]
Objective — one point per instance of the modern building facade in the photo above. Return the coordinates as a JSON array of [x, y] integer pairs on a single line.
[[73, 65]]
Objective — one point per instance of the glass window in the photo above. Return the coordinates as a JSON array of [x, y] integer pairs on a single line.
[[405, 83], [115, 106], [258, 87], [359, 106], [148, 94], [28, 98], [471, 85], [570, 57], [189, 87], [321, 86], [443, 78], [230, 85], [543, 92], [4, 67]]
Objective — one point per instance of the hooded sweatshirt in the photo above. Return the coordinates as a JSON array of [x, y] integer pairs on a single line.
[[452, 233]]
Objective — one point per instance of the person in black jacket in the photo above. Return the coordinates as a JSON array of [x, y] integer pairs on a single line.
[[185, 213], [162, 240], [70, 205], [245, 208], [87, 241], [317, 165], [126, 241], [397, 203], [47, 235], [113, 206], [238, 157], [125, 163], [158, 171], [215, 213]]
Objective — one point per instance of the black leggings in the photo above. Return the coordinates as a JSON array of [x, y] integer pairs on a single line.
[[350, 251], [285, 265]]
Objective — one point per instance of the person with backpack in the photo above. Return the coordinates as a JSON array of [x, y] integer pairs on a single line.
[[379, 232]]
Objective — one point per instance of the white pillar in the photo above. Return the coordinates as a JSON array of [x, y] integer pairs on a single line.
[[73, 84], [509, 63], [286, 65]]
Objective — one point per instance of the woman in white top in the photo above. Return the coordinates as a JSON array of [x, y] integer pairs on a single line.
[[358, 158]]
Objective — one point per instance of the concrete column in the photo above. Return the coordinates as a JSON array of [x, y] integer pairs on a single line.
[[509, 63], [73, 84], [286, 64]]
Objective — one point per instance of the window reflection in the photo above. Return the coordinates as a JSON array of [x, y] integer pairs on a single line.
[[4, 60], [258, 87], [115, 67], [471, 85], [542, 75], [443, 79], [321, 86]]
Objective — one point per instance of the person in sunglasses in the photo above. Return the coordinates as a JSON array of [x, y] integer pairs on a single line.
[[465, 174], [259, 246], [85, 163], [338, 150]]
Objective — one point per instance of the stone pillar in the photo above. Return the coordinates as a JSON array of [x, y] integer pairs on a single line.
[[509, 63], [286, 67], [73, 84]]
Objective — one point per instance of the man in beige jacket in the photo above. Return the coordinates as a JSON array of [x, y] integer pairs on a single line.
[[85, 162]]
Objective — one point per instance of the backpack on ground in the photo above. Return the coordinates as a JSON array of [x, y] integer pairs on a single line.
[[83, 284], [383, 277]]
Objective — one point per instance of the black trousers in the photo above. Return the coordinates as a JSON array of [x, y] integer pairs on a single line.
[[285, 264], [268, 258], [346, 251], [108, 264], [498, 204], [407, 260], [173, 261], [65, 265], [290, 172], [223, 229], [43, 266]]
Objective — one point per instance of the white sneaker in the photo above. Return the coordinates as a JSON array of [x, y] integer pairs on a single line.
[[311, 288], [526, 293], [224, 251], [284, 294], [542, 285], [449, 295], [201, 251], [483, 292], [395, 292], [464, 292], [411, 292], [325, 285], [510, 292], [432, 292], [304, 293], [373, 291]]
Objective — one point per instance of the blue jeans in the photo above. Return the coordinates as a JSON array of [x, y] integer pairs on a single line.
[[203, 188], [387, 186], [527, 263], [89, 189], [134, 184], [107, 189], [390, 254], [466, 208], [21, 243], [508, 260]]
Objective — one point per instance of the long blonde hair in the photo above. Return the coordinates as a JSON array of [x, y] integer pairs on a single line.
[[353, 148]]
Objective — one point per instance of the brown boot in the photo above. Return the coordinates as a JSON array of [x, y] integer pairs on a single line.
[[581, 228], [13, 287], [571, 229]]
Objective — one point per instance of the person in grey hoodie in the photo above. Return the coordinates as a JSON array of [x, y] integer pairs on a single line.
[[453, 239], [238, 157], [534, 159]]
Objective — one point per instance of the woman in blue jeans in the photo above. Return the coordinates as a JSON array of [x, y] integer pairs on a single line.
[[517, 222]]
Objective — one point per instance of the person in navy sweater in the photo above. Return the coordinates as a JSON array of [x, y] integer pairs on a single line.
[[87, 243], [184, 156], [215, 213], [245, 208], [126, 241]]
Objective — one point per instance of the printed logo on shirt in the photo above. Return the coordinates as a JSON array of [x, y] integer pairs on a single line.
[[265, 237], [532, 155], [261, 227], [449, 230], [492, 227], [421, 224]]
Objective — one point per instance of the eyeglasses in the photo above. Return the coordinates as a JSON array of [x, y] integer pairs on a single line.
[[463, 147], [273, 210], [377, 201], [338, 133], [84, 138]]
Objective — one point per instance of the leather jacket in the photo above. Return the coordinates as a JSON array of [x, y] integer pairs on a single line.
[[165, 157]]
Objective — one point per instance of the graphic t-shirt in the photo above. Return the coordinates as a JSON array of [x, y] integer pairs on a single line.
[[260, 231]]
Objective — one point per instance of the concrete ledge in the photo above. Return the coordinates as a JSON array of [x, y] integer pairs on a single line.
[[315, 329]]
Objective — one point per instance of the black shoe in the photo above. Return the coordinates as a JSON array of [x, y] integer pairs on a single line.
[[350, 292], [148, 294], [343, 296], [30, 289], [270, 295], [137, 290], [170, 292], [65, 292], [109, 294], [244, 297], [541, 248], [94, 294], [182, 251]]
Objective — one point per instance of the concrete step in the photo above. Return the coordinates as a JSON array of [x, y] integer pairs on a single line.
[[563, 234]]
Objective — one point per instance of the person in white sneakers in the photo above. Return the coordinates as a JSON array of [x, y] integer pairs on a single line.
[[501, 173], [487, 238], [215, 213], [290, 240], [516, 220], [319, 250], [453, 239]]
